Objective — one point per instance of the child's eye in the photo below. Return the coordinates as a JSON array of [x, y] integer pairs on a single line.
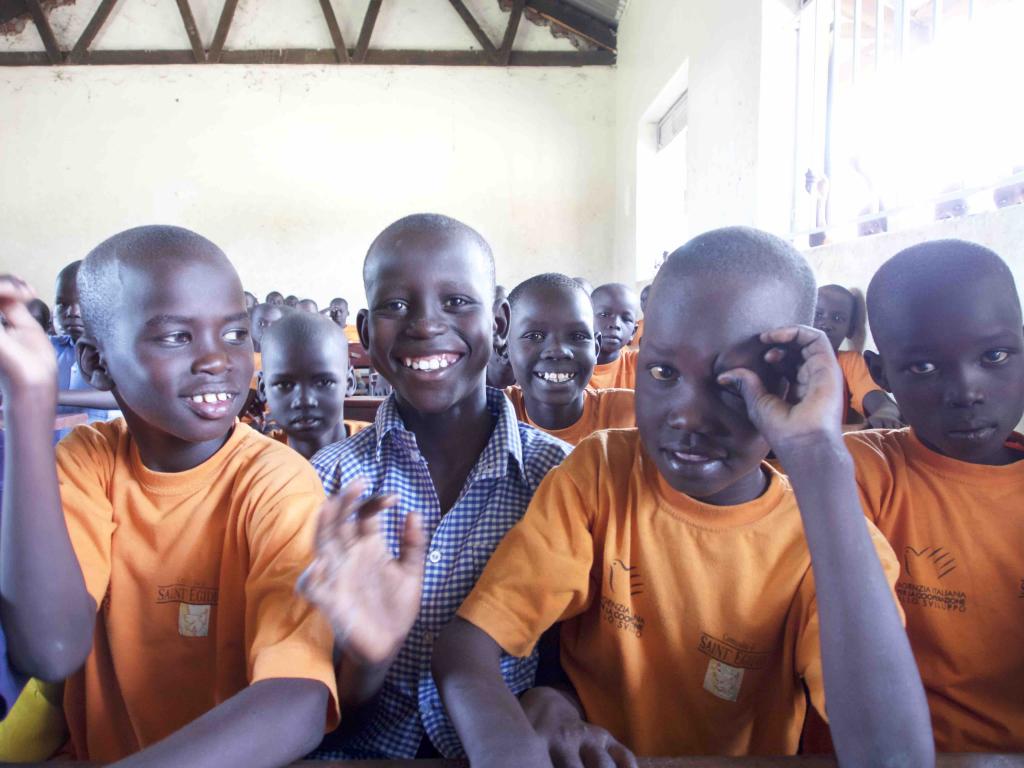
[[284, 386], [581, 337], [456, 301], [175, 338], [921, 369], [662, 372], [995, 356], [236, 335], [395, 305], [533, 336], [325, 383]]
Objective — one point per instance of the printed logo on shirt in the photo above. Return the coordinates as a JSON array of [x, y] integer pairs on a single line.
[[929, 564], [187, 593], [628, 578], [621, 617], [193, 620], [732, 652], [722, 680]]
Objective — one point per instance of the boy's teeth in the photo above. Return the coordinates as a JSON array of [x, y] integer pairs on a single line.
[[558, 378], [211, 397], [426, 363]]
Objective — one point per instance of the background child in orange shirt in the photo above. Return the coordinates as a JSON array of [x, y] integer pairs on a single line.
[[553, 348], [616, 309], [644, 293], [170, 540], [840, 316], [305, 369], [697, 597], [948, 491]]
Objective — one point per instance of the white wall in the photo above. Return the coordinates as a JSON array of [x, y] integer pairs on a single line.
[[293, 170], [735, 59]]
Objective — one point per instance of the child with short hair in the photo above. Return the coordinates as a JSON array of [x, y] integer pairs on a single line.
[[698, 590], [553, 349], [275, 298], [305, 372], [947, 491], [443, 445], [338, 312], [616, 309], [840, 315], [162, 548]]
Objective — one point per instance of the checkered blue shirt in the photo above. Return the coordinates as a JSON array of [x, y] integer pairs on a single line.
[[497, 492]]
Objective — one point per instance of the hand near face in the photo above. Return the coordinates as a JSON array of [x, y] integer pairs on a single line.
[[370, 598], [27, 360], [810, 408]]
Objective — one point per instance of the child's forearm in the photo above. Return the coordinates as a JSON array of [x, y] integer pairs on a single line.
[[271, 723], [876, 704], [358, 685], [490, 722], [46, 611]]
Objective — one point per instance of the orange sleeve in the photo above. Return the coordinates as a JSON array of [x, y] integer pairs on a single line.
[[515, 394], [873, 470], [540, 573], [629, 363], [619, 411], [808, 649], [285, 635], [85, 468], [858, 378]]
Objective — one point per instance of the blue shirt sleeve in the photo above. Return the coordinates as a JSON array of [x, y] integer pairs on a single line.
[[11, 681]]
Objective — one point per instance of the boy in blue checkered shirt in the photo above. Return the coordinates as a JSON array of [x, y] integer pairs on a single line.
[[429, 490]]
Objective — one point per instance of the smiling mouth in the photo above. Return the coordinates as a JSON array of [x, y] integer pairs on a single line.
[[431, 362], [554, 377], [690, 458], [211, 405]]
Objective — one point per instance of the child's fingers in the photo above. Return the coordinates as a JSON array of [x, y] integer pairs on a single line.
[[333, 514], [14, 289], [414, 544], [749, 386]]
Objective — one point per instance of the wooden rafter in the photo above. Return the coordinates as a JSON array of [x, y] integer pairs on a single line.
[[335, 30], [583, 25], [91, 30], [221, 35], [516, 15], [369, 20], [474, 27], [53, 50], [198, 52]]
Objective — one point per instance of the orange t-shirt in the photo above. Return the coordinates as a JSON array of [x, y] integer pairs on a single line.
[[602, 409], [688, 628], [959, 531], [857, 381], [352, 334], [194, 577], [257, 366], [618, 374]]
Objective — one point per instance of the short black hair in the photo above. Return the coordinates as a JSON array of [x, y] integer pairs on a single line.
[[554, 279], [38, 309], [430, 222], [925, 268], [99, 279], [70, 270], [749, 253], [296, 327]]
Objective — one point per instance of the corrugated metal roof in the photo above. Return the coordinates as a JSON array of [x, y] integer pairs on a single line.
[[609, 11]]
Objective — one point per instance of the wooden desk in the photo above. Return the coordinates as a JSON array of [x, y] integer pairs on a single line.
[[362, 407]]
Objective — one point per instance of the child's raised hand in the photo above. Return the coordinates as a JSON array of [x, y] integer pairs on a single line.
[[811, 406], [27, 359], [370, 598]]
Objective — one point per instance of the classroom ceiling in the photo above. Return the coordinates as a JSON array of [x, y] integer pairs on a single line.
[[589, 25]]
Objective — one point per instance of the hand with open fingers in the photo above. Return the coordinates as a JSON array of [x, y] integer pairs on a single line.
[[810, 405], [370, 598], [572, 742], [27, 359]]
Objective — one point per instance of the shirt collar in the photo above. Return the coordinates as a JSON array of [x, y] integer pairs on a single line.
[[504, 449]]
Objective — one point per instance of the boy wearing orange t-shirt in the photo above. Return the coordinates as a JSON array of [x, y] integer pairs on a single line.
[[170, 540], [553, 347], [838, 315], [699, 591], [948, 491], [616, 309]]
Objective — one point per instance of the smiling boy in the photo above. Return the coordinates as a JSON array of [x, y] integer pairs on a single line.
[[445, 446], [616, 311], [699, 591], [170, 540], [947, 491], [553, 349]]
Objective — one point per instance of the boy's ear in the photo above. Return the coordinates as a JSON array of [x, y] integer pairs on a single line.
[[363, 326], [874, 361], [92, 365], [261, 386], [597, 342], [502, 321]]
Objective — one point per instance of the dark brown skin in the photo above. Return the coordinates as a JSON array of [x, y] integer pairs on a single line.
[[707, 419], [182, 326], [616, 312]]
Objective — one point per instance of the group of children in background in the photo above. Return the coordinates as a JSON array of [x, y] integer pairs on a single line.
[[588, 560]]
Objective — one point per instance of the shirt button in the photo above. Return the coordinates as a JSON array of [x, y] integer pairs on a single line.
[[435, 556], [428, 636]]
